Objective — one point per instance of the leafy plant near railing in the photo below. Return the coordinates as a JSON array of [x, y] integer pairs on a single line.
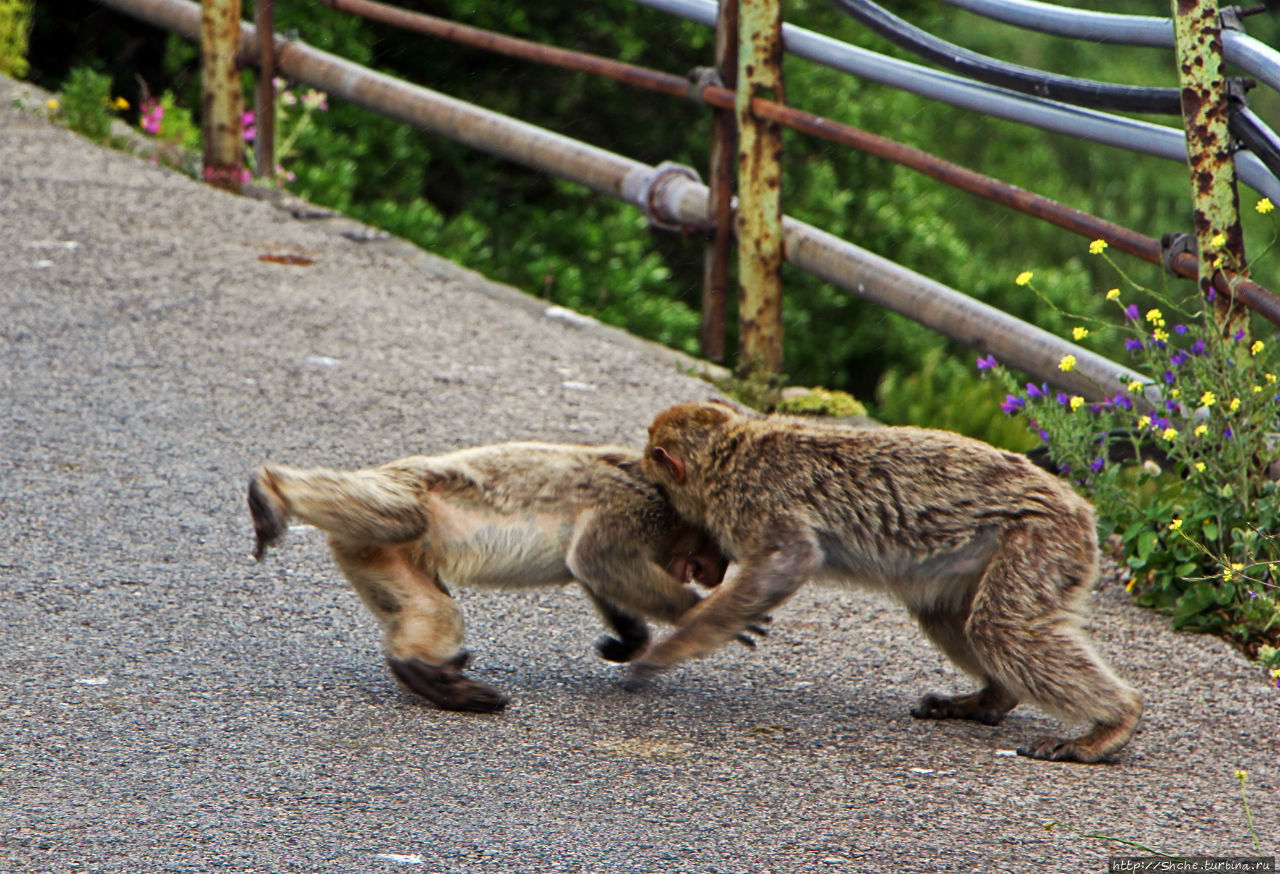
[[1181, 467], [15, 28], [86, 105]]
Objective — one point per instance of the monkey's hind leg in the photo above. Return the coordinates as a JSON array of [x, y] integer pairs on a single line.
[[990, 703], [1025, 629], [422, 622]]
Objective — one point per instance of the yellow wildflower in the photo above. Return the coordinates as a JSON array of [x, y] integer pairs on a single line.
[[1079, 333], [1234, 405], [1133, 581], [1097, 247], [1067, 363], [1199, 467], [1201, 430], [1076, 402], [120, 103], [1257, 347], [1113, 294], [1241, 776], [1023, 278], [1160, 335], [1175, 393], [51, 103], [1264, 206], [1218, 239], [1175, 525], [1227, 574], [1269, 377], [1208, 399], [1217, 262], [1154, 315], [1169, 433], [1257, 389], [1135, 387]]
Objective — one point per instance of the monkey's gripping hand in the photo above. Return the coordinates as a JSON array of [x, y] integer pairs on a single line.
[[611, 649], [445, 686]]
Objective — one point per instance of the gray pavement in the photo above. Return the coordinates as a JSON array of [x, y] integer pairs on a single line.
[[168, 705]]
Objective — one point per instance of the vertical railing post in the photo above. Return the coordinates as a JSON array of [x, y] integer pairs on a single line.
[[264, 95], [715, 264], [1205, 113], [759, 223], [221, 102]]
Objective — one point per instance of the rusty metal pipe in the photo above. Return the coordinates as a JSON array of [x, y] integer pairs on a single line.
[[680, 200], [1250, 293], [429, 25]]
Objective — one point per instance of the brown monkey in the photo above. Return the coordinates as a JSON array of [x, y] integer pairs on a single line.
[[993, 556], [511, 515]]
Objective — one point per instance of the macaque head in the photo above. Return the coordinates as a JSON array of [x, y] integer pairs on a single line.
[[675, 432], [695, 557]]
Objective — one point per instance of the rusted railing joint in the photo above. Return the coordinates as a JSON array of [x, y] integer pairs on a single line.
[[655, 198]]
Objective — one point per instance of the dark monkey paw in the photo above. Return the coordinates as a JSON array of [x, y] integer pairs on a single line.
[[445, 686], [611, 649]]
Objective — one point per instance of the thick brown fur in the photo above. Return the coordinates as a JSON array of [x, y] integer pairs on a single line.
[[511, 515], [993, 556]]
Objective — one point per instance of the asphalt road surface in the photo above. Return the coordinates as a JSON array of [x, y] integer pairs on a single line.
[[168, 705]]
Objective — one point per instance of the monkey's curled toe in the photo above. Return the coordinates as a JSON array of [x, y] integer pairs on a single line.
[[509, 516], [993, 556]]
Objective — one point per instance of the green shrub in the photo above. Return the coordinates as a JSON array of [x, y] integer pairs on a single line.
[[15, 29], [86, 105]]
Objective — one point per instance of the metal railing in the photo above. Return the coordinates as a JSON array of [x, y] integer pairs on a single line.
[[673, 197]]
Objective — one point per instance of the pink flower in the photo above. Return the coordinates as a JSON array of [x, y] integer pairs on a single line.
[[250, 130], [151, 116]]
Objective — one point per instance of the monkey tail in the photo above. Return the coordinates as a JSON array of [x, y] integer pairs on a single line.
[[381, 505]]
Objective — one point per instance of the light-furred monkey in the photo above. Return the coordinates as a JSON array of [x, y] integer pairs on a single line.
[[511, 515], [993, 556]]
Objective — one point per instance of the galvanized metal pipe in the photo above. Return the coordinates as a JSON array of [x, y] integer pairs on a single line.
[[723, 101], [1249, 54], [1074, 121], [678, 199]]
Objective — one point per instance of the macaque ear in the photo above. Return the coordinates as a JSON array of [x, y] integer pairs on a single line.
[[675, 467]]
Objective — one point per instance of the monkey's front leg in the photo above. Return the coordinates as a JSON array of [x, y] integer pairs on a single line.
[[760, 585]]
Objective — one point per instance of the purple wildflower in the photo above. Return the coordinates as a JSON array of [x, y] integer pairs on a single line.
[[1238, 335], [1171, 406], [1132, 311], [1011, 404], [1179, 329], [1211, 294], [1228, 433], [1097, 464], [1169, 378], [1037, 391], [1122, 401], [1133, 344], [1197, 348], [987, 363], [1177, 359], [1064, 468], [1062, 398], [1159, 421]]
